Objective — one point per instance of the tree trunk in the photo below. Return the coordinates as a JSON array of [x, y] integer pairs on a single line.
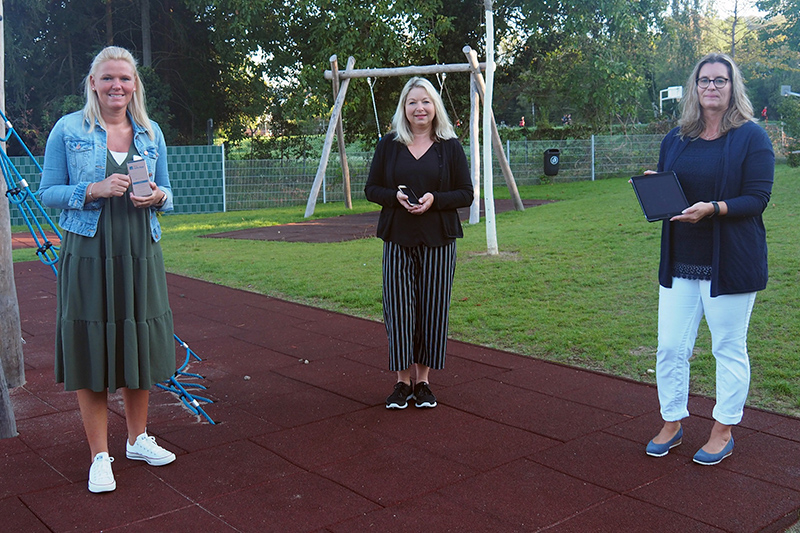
[[109, 25], [147, 52], [10, 332], [8, 425]]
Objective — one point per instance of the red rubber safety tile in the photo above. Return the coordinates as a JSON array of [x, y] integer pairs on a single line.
[[626, 515], [227, 468], [587, 458], [489, 356], [728, 500], [304, 502], [192, 518], [319, 372], [300, 343], [232, 424], [615, 395], [392, 474], [542, 414], [27, 405], [303, 406], [17, 517], [26, 472], [768, 458], [139, 495], [481, 444], [526, 494], [12, 446], [548, 378], [438, 513], [324, 442]]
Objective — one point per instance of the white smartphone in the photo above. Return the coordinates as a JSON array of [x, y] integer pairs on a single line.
[[413, 199], [140, 180]]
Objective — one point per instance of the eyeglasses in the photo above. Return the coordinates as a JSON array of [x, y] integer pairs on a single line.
[[719, 83]]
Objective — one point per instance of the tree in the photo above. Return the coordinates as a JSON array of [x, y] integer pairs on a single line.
[[12, 370], [789, 10], [593, 57]]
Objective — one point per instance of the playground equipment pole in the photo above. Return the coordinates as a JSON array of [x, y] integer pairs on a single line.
[[488, 185], [348, 200]]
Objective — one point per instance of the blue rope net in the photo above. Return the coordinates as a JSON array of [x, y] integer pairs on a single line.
[[19, 194]]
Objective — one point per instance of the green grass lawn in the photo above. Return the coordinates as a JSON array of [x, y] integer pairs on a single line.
[[575, 280]]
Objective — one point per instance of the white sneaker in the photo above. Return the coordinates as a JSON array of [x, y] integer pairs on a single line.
[[146, 449], [101, 477]]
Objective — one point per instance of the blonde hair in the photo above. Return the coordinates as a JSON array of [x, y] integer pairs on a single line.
[[740, 110], [442, 128], [136, 107]]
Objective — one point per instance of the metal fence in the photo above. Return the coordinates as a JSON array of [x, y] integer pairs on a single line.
[[256, 184]]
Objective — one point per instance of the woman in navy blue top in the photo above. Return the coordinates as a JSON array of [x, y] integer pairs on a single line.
[[714, 254]]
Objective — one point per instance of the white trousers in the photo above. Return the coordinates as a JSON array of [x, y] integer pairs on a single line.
[[728, 316]]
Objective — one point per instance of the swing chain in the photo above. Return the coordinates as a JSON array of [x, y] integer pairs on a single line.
[[371, 83]]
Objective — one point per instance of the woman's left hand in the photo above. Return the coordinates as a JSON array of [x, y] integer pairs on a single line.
[[694, 213], [425, 203], [149, 201]]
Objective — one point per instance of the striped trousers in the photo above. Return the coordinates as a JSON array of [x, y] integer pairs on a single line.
[[417, 283]]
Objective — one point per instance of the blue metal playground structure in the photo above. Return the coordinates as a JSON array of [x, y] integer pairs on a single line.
[[19, 194]]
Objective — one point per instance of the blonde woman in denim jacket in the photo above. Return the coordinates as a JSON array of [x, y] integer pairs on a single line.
[[114, 324]]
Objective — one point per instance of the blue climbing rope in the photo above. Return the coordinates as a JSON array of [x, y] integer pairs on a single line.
[[19, 194]]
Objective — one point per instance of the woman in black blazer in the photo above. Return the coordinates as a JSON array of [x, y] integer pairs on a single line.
[[419, 175]]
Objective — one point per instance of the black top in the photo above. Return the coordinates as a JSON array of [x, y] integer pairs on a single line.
[[696, 169], [442, 171]]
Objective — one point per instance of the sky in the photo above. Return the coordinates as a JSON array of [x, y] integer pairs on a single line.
[[746, 7]]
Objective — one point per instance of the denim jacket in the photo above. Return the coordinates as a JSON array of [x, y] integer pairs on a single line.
[[75, 158]]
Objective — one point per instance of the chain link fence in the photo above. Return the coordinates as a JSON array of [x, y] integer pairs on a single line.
[[257, 184]]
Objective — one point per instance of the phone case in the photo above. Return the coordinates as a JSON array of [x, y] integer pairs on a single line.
[[413, 199], [140, 179]]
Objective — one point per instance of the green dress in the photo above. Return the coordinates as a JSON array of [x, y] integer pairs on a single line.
[[113, 320]]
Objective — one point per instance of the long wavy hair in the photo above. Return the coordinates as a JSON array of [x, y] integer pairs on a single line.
[[442, 128], [136, 107], [740, 110]]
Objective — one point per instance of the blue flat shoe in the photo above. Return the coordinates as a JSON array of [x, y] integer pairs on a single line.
[[708, 459], [660, 450]]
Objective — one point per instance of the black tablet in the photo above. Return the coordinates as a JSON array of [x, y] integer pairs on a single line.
[[660, 195]]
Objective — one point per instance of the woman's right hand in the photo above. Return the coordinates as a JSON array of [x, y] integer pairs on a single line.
[[114, 185]]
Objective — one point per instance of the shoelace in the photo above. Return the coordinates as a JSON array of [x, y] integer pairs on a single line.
[[148, 443]]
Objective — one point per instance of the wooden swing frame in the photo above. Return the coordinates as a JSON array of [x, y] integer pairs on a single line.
[[340, 81]]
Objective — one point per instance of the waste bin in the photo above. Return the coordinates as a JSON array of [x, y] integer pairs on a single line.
[[552, 159]]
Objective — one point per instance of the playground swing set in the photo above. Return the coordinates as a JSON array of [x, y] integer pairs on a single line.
[[19, 194], [340, 81]]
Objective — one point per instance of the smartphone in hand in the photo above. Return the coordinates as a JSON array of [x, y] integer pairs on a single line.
[[413, 199], [140, 179]]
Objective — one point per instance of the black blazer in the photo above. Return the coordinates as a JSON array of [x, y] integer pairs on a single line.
[[455, 186]]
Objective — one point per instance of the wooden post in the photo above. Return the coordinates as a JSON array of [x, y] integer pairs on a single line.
[[326, 147], [472, 56], [348, 200], [488, 116], [475, 151], [12, 369], [414, 70]]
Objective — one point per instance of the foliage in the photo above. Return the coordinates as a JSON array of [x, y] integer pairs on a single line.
[[257, 65], [592, 61], [789, 10], [789, 110]]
